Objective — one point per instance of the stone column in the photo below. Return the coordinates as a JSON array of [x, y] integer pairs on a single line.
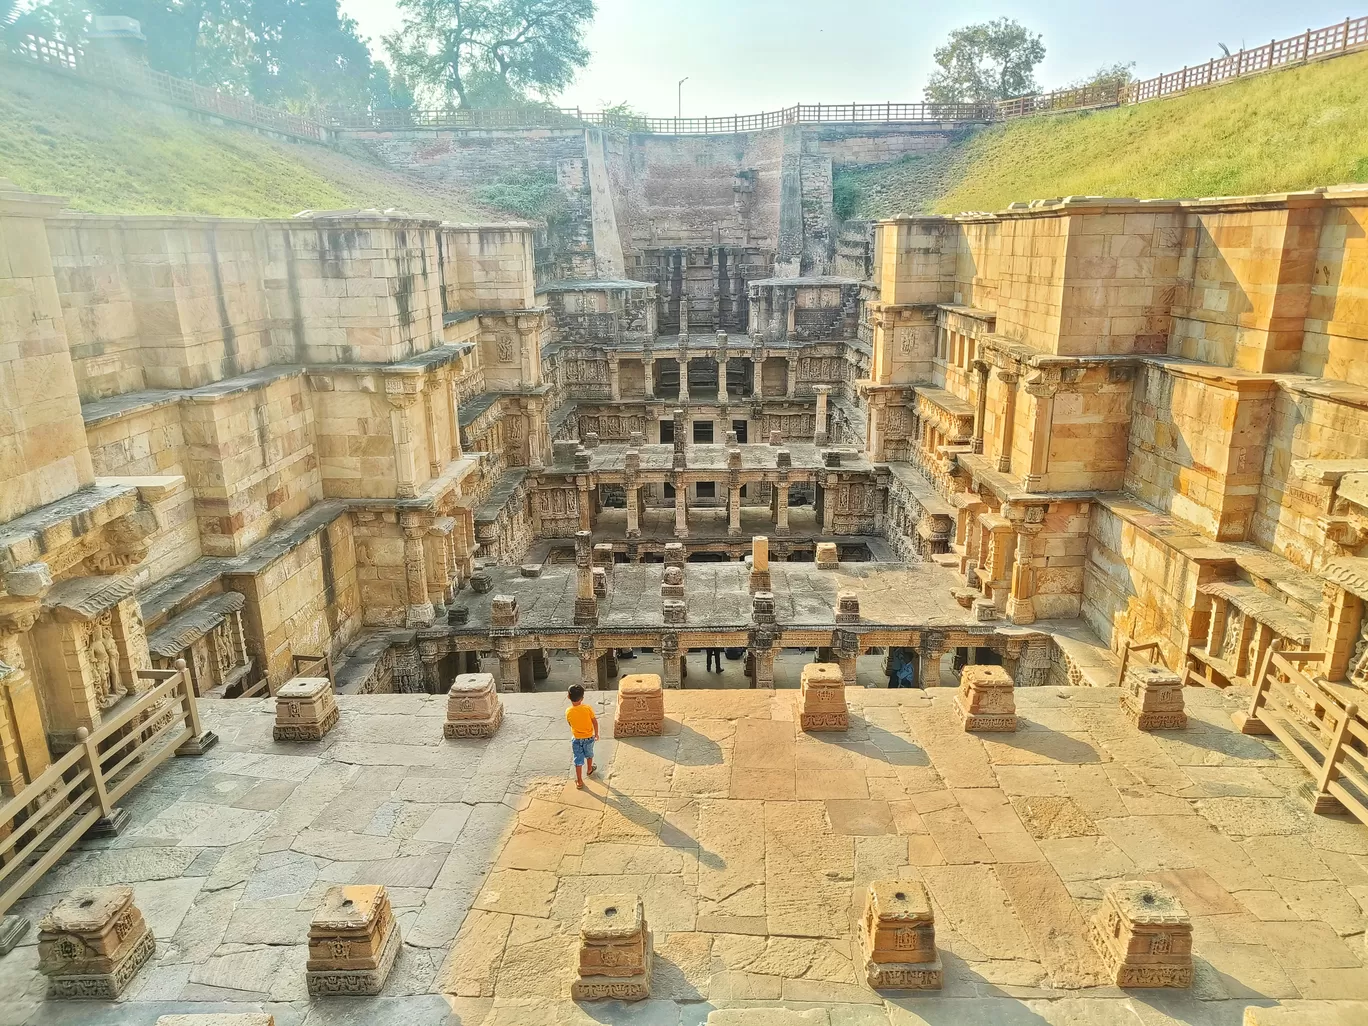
[[584, 504], [781, 509], [586, 605], [633, 491], [760, 567], [510, 678], [681, 525], [734, 492], [820, 434], [23, 745], [1004, 459], [589, 664], [614, 379], [791, 382], [406, 476], [1021, 600], [721, 357], [419, 612], [648, 372], [1043, 390], [669, 661], [981, 408], [453, 413], [828, 483], [757, 375], [680, 430], [929, 654], [430, 420], [682, 358], [538, 440]]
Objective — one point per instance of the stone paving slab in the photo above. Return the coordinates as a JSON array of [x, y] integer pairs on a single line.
[[751, 844]]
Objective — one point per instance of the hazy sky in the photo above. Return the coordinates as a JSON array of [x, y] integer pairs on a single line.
[[751, 55]]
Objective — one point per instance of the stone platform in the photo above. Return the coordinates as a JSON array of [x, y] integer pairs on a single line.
[[752, 846]]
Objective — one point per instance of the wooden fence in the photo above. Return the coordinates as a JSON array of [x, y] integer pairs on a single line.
[[43, 821], [1313, 44], [1320, 726]]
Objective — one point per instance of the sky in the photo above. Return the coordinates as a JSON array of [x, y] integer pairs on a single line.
[[745, 56]]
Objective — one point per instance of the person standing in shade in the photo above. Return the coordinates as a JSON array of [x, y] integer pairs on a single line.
[[714, 660]]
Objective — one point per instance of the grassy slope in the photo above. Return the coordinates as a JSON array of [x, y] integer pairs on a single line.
[[110, 156], [1293, 129]]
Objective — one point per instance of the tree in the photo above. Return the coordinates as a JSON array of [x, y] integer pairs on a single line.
[[1110, 77], [387, 91], [485, 53], [987, 62]]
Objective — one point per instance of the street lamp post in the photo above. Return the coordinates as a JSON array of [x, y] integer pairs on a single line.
[[679, 109]]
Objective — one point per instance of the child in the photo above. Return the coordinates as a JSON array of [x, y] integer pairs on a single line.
[[584, 732]]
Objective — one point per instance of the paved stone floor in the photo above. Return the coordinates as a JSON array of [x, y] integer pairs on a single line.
[[751, 845]]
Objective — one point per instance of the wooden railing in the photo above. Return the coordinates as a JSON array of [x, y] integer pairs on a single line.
[[1149, 648], [1319, 725], [43, 821], [1314, 44]]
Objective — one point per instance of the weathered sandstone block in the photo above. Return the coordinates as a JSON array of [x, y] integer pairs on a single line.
[[826, 556], [306, 709], [640, 706], [898, 934], [473, 707], [760, 566], [353, 941], [1152, 697], [986, 699], [92, 943], [821, 698], [1144, 936], [219, 1019], [615, 950]]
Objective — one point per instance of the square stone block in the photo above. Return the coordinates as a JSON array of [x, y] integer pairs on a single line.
[[473, 707], [673, 610], [92, 943], [503, 611], [898, 935], [826, 556], [1144, 936], [640, 708], [986, 699], [306, 709], [615, 950], [1152, 697], [821, 698], [353, 941]]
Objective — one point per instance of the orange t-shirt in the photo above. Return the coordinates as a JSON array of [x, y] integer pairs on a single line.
[[581, 720]]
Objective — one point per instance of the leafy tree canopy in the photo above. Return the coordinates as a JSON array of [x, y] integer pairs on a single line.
[[490, 53], [982, 63], [297, 54]]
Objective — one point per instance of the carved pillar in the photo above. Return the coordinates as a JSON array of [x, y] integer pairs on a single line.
[[586, 605], [419, 612], [680, 443], [23, 745], [510, 678], [1042, 389], [781, 508], [682, 357], [670, 676], [681, 524], [453, 413], [401, 401], [584, 504], [845, 646], [791, 383], [758, 375], [1004, 459], [537, 439], [820, 433], [589, 664], [633, 491], [648, 372], [929, 654], [829, 483], [430, 422], [981, 407], [614, 381], [734, 510], [721, 357], [1021, 599]]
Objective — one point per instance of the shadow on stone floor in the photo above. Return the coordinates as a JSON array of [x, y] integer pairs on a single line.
[[1051, 744], [670, 835], [696, 749], [892, 748]]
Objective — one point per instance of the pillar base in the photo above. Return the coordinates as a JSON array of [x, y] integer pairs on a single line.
[[111, 825], [1247, 724], [12, 930], [419, 616], [199, 744]]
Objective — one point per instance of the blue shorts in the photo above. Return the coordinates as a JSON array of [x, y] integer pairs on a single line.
[[583, 747]]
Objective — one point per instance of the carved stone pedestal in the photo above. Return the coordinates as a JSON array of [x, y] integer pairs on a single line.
[[986, 699], [473, 707], [821, 698], [1152, 697], [640, 706], [1144, 936], [827, 558], [615, 950], [305, 709], [92, 943], [898, 935], [353, 941]]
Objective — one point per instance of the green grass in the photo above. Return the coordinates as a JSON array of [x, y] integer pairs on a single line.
[[1293, 129], [109, 154]]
